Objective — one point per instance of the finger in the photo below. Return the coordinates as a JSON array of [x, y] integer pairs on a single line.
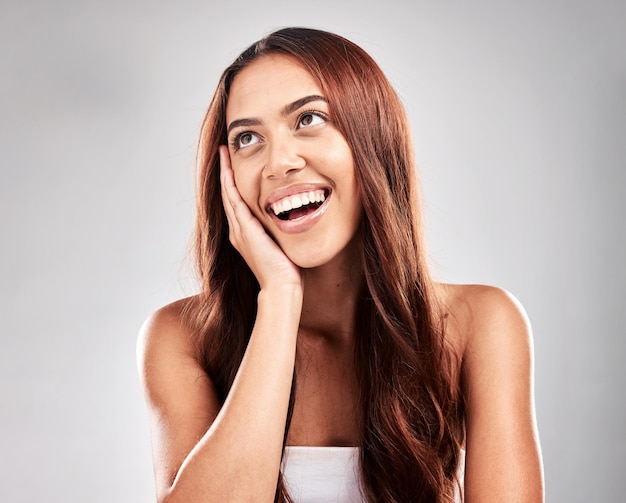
[[241, 221], [240, 209], [225, 167], [227, 183], [227, 177], [225, 171]]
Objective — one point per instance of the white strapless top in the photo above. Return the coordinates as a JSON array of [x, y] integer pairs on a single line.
[[328, 474], [322, 474]]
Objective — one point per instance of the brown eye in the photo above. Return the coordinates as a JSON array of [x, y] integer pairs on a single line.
[[245, 139], [310, 119]]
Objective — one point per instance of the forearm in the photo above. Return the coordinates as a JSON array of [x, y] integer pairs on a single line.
[[238, 458]]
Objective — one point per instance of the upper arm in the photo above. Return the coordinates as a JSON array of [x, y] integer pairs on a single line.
[[503, 461], [181, 400]]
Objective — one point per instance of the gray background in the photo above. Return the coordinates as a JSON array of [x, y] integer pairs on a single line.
[[518, 113]]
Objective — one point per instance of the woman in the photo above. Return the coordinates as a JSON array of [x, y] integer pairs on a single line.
[[318, 331]]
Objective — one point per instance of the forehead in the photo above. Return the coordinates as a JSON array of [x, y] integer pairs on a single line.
[[268, 84]]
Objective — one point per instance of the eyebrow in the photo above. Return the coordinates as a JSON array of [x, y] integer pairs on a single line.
[[286, 110]]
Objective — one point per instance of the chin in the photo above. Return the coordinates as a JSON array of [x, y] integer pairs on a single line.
[[311, 256], [308, 260]]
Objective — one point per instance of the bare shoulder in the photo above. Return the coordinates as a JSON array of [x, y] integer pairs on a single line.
[[165, 326], [167, 355], [483, 315], [180, 396], [164, 333], [493, 334]]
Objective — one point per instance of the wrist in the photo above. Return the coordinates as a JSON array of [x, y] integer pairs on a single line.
[[281, 295]]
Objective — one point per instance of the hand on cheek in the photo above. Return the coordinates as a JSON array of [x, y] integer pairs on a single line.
[[267, 261]]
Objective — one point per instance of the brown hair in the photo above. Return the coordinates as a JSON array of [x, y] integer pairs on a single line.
[[411, 410]]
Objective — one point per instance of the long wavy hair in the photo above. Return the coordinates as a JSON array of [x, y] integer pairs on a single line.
[[411, 411]]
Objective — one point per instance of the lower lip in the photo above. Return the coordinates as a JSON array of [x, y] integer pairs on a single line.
[[303, 223]]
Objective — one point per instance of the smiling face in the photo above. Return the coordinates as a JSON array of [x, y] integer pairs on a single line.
[[292, 166]]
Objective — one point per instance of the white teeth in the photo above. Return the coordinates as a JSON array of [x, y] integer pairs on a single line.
[[291, 202]]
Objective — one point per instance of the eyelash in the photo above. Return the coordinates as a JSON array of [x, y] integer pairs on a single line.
[[235, 141], [312, 112]]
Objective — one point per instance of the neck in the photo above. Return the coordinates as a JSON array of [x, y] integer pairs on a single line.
[[330, 299]]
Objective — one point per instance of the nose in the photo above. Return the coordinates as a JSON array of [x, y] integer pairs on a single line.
[[283, 158]]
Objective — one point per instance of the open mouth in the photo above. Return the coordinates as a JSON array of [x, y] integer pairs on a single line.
[[299, 205]]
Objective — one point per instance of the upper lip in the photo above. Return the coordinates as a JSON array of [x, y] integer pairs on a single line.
[[292, 190]]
